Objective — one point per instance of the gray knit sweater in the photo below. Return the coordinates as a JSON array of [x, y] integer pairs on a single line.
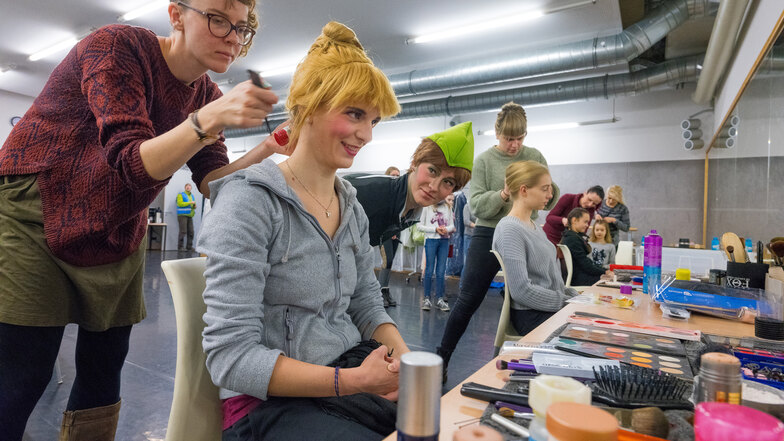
[[532, 275]]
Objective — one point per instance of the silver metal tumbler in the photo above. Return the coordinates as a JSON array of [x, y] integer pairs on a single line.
[[419, 401]]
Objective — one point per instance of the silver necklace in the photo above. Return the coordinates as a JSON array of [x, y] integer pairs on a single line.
[[332, 198]]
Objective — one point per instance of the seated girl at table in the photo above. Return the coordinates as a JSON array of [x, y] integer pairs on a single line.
[[290, 284], [602, 246], [533, 275], [584, 271]]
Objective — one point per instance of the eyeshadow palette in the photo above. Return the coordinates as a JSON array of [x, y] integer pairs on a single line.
[[657, 330], [759, 355], [632, 340], [670, 364]]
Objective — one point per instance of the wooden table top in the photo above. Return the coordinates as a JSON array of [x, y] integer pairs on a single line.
[[456, 408]]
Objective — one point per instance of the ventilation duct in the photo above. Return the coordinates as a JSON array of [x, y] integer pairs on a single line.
[[582, 55], [670, 73], [587, 54]]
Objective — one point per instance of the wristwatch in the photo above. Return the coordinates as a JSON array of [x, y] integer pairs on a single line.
[[204, 137]]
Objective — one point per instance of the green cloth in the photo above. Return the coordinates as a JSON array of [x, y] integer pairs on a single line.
[[487, 181], [457, 143], [182, 204], [38, 289]]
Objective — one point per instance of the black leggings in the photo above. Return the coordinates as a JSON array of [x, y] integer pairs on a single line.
[[27, 357], [480, 268], [389, 248]]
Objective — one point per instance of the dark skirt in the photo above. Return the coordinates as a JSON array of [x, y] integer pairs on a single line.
[[38, 289]]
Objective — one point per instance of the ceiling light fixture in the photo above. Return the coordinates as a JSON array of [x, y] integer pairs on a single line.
[[492, 25], [558, 126], [142, 10], [53, 49]]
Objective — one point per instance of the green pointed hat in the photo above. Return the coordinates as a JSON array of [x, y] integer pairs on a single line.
[[457, 143]]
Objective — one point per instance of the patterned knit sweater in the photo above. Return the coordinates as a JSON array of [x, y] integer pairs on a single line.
[[81, 138]]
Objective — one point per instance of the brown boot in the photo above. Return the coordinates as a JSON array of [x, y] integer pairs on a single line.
[[96, 424]]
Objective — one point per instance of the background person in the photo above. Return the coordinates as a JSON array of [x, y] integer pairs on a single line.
[[602, 248], [186, 208], [392, 171], [556, 223], [438, 224], [388, 251], [122, 112], [490, 201], [584, 271], [297, 337], [533, 274], [615, 212]]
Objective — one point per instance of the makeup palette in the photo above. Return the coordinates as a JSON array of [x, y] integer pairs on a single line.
[[763, 355], [631, 340], [670, 364], [619, 325]]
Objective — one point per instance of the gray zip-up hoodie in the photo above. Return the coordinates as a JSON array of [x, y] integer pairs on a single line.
[[277, 284]]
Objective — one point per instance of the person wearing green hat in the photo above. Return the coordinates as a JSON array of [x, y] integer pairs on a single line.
[[440, 165]]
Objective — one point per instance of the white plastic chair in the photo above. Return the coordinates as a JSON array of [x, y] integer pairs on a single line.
[[196, 407], [505, 331], [568, 261], [623, 255]]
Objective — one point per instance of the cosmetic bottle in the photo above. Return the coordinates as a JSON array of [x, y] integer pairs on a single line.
[[419, 402], [580, 422], [547, 389], [652, 263], [719, 379], [732, 422]]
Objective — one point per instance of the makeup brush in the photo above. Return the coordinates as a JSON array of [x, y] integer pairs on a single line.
[[777, 248], [647, 420], [509, 413], [731, 251]]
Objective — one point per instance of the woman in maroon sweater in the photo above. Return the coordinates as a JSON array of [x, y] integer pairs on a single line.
[[121, 113], [556, 222]]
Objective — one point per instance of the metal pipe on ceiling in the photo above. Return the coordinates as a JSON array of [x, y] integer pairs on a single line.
[[670, 73], [720, 47], [582, 55]]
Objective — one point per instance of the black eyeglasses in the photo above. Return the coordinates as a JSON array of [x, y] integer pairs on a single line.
[[221, 27]]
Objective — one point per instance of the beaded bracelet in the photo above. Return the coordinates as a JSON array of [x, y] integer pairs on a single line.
[[337, 386]]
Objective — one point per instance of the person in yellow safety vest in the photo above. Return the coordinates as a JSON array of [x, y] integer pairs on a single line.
[[186, 208]]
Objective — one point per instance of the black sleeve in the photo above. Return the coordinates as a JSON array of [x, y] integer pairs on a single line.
[[580, 259]]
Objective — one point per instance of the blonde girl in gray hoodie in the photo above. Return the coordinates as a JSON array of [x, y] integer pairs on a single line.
[[297, 337]]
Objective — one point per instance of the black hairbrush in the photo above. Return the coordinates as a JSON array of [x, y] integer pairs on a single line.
[[631, 386]]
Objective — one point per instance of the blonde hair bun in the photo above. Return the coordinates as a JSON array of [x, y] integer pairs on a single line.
[[336, 72], [341, 33]]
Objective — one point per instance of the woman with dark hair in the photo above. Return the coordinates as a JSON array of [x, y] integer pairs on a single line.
[[556, 222], [584, 271]]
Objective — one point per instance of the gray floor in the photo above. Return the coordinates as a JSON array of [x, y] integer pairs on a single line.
[[148, 375]]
